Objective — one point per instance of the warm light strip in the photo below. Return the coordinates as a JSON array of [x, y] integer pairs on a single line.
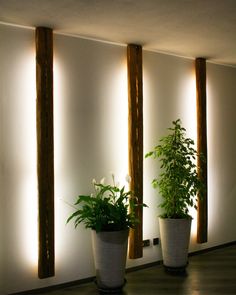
[[189, 118], [29, 184]]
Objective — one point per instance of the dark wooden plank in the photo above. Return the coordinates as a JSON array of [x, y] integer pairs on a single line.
[[135, 98], [200, 67], [45, 151]]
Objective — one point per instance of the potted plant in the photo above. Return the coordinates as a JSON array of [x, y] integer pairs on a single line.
[[109, 211], [179, 184]]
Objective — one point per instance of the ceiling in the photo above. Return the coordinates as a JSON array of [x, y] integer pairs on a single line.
[[189, 28]]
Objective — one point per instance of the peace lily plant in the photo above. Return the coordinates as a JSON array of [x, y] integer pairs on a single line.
[[109, 211], [108, 208]]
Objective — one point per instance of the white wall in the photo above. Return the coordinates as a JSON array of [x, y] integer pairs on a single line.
[[222, 153], [90, 137], [90, 105], [18, 165]]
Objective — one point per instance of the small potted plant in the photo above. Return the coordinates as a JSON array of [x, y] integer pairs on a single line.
[[179, 184], [109, 211]]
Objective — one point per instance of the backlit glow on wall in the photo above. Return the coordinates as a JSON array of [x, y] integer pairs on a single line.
[[189, 107], [29, 220], [29, 178], [150, 220], [184, 107], [113, 118], [190, 123], [58, 150], [121, 121], [57, 111]]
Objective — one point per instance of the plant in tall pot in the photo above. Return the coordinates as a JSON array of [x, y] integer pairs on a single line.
[[179, 185], [109, 211]]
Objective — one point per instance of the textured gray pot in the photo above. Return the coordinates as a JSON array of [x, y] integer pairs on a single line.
[[110, 253], [175, 235]]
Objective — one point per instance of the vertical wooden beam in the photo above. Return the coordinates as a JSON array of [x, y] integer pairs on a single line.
[[200, 68], [45, 151], [135, 98]]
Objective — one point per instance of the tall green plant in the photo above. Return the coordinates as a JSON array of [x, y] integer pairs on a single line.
[[178, 182]]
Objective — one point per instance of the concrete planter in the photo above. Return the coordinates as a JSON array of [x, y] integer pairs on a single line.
[[175, 235], [110, 253]]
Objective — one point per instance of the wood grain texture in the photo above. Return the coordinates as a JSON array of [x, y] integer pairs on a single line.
[[135, 99], [200, 68], [45, 151]]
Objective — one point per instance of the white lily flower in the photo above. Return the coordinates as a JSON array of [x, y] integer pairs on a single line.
[[102, 181], [94, 181], [128, 178]]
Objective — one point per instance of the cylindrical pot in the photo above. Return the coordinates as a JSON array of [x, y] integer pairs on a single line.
[[175, 236], [110, 253]]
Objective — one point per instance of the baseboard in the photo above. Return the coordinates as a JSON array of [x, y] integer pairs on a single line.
[[131, 269], [143, 266], [202, 251]]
